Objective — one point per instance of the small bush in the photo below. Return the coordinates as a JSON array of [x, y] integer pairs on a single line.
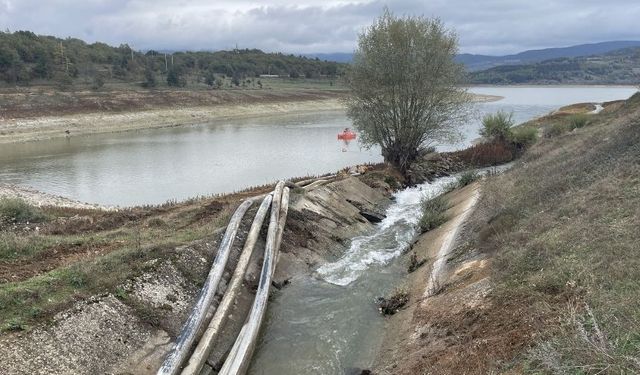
[[577, 121], [392, 182], [467, 178], [487, 154], [18, 211], [524, 137], [556, 129], [433, 213], [15, 324], [497, 126]]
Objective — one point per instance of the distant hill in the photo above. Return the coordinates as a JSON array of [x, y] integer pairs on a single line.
[[335, 57], [616, 67], [27, 58], [481, 62]]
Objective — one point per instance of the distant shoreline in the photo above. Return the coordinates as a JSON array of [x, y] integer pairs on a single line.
[[38, 128], [555, 85]]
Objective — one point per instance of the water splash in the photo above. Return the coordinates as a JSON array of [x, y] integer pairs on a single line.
[[391, 238]]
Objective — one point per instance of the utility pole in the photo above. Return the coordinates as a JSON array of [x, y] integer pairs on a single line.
[[166, 67]]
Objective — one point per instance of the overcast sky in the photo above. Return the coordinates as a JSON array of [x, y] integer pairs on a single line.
[[307, 26]]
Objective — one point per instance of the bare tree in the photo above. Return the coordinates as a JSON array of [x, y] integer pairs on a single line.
[[405, 87]]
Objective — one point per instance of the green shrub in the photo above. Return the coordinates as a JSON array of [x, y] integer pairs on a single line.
[[497, 126], [433, 213], [392, 182], [555, 130], [524, 137], [18, 211], [467, 178], [577, 121]]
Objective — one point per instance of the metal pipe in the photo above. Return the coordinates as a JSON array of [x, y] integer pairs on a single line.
[[207, 341], [196, 319], [240, 356]]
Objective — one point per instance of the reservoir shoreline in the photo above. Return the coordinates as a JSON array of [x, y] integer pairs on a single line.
[[20, 129]]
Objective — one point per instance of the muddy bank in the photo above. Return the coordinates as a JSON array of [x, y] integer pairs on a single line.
[[132, 328]]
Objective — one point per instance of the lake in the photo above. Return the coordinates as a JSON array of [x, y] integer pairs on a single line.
[[156, 165]]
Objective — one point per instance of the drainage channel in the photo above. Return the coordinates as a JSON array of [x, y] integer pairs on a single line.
[[328, 323]]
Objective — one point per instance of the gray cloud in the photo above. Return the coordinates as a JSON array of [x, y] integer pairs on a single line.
[[489, 26]]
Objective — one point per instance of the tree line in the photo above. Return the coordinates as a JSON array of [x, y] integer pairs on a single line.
[[617, 67], [27, 58]]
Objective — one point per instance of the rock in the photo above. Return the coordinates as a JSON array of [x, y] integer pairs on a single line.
[[372, 217]]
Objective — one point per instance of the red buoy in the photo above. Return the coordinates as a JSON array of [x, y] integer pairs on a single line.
[[347, 135]]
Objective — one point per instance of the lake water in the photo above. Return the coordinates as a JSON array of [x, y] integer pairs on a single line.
[[153, 166]]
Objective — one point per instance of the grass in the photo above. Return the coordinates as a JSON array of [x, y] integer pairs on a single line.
[[524, 137], [568, 124], [563, 233], [14, 210], [79, 253], [465, 179], [433, 213]]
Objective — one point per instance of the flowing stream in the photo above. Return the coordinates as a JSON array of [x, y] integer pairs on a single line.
[[328, 323]]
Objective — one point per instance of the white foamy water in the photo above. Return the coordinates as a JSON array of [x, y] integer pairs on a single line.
[[390, 238]]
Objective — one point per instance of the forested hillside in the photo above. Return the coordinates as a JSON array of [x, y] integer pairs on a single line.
[[27, 58], [617, 67]]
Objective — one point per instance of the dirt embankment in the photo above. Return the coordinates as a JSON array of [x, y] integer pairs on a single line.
[[444, 287], [130, 328], [543, 276]]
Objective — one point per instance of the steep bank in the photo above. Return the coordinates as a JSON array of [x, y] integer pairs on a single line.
[[543, 277], [77, 322]]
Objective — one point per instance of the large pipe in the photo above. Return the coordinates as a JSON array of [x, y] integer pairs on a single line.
[[315, 184], [284, 209], [207, 341], [240, 356], [196, 319]]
